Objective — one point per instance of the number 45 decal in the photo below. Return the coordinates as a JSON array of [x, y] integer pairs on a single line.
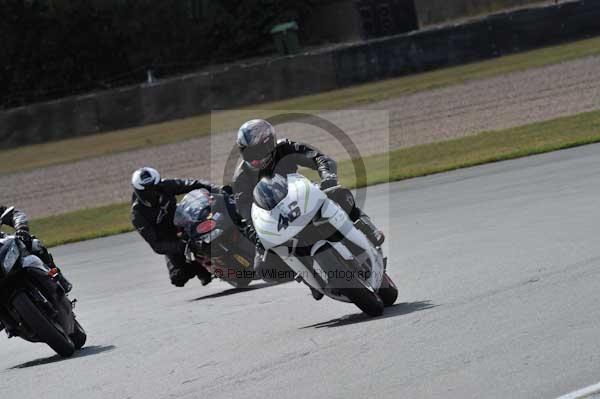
[[284, 221]]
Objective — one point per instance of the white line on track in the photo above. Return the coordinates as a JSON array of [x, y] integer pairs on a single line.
[[582, 393]]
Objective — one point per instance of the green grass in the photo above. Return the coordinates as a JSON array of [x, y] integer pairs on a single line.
[[34, 156], [397, 165], [83, 225], [475, 150]]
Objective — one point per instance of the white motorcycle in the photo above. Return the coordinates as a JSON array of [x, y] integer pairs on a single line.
[[297, 221]]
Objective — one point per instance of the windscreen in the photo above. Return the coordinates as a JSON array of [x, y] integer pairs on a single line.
[[270, 191], [6, 246], [193, 208]]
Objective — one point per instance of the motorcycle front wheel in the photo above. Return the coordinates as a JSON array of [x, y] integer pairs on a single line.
[[338, 268], [44, 328], [388, 292], [79, 335]]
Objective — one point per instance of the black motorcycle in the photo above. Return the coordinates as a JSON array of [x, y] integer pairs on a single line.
[[33, 304], [214, 241]]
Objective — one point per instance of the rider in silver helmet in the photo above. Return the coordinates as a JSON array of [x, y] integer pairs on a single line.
[[263, 156]]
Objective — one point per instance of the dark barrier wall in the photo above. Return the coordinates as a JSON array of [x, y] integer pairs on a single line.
[[245, 84]]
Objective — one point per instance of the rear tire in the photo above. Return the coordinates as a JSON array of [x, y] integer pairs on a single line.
[[388, 292], [42, 326], [79, 335], [331, 262]]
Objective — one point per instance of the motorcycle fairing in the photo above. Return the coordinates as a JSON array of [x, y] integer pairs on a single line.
[[310, 200], [302, 196], [338, 218], [32, 261]]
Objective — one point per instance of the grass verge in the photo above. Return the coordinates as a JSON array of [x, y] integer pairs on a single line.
[[84, 224], [397, 165], [39, 155]]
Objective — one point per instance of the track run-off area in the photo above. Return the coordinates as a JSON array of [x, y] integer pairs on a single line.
[[490, 104], [499, 279]]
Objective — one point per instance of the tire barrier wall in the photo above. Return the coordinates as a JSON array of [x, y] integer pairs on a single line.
[[313, 72]]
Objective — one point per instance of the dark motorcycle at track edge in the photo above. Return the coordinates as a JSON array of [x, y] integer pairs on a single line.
[[33, 304]]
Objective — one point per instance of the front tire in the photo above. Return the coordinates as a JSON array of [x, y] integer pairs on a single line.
[[366, 300], [42, 326], [388, 292], [79, 335], [333, 264]]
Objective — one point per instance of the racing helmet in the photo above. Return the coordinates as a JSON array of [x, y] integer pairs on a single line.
[[145, 181], [256, 141]]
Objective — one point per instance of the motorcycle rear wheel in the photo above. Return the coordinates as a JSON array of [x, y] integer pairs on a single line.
[[42, 326]]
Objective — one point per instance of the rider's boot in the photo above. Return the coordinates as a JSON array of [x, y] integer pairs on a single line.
[[7, 328], [204, 276], [66, 284], [364, 224], [62, 280], [9, 334], [47, 258], [318, 295]]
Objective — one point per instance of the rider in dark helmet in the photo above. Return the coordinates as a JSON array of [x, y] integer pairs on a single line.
[[264, 156], [152, 211], [18, 220]]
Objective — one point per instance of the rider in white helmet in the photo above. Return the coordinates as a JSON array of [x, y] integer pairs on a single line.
[[153, 206]]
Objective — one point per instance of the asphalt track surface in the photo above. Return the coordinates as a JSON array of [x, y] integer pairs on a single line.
[[498, 269]]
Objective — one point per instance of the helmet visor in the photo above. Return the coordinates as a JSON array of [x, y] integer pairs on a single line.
[[256, 153], [257, 156]]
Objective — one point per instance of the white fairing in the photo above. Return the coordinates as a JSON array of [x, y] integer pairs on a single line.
[[310, 199], [340, 220], [302, 194]]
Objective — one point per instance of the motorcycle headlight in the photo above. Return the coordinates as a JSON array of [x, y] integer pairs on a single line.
[[213, 235], [12, 254]]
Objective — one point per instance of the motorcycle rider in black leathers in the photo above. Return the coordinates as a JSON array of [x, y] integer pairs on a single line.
[[17, 219], [153, 207], [264, 156]]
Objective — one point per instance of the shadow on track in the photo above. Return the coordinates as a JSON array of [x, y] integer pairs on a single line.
[[83, 352], [233, 291], [399, 309]]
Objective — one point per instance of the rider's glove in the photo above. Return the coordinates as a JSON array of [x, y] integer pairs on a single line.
[[227, 189], [328, 182], [25, 237]]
